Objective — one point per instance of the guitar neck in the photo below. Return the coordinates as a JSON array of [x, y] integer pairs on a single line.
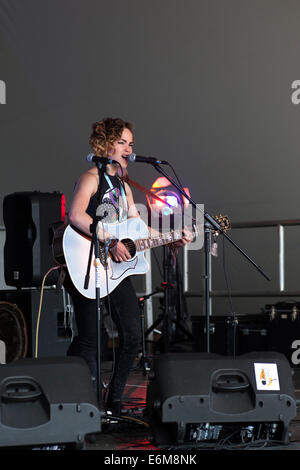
[[163, 239]]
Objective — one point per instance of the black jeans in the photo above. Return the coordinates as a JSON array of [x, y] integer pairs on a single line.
[[126, 316]]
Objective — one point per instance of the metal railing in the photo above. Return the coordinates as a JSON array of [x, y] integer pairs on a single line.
[[280, 292]]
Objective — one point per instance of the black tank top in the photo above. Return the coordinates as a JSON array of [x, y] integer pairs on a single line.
[[113, 201]]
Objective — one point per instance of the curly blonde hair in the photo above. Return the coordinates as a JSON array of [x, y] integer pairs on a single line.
[[105, 133]]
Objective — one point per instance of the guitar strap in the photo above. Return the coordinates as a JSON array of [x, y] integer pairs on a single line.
[[144, 190]]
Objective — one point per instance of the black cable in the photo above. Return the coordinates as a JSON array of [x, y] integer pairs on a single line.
[[179, 182], [227, 279], [157, 262], [109, 307], [254, 445], [235, 322]]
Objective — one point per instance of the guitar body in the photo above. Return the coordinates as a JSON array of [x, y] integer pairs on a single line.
[[76, 249]]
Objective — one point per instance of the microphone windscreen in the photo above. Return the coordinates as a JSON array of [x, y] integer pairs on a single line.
[[131, 157], [89, 157]]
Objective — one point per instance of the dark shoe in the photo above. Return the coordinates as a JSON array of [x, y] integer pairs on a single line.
[[114, 406]]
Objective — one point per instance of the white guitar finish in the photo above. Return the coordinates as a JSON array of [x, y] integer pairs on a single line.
[[76, 248], [133, 233]]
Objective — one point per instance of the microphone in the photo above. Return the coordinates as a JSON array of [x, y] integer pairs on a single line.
[[93, 158], [137, 158]]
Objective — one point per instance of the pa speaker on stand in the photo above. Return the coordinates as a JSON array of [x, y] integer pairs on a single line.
[[29, 218], [204, 399]]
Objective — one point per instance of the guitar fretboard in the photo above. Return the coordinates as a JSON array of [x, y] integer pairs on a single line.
[[162, 239]]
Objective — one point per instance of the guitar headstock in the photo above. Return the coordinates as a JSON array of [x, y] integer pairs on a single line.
[[224, 221]]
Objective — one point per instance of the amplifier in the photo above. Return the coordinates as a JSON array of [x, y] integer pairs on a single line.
[[232, 335], [19, 315], [284, 330]]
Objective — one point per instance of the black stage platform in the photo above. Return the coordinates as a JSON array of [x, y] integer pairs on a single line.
[[134, 429]]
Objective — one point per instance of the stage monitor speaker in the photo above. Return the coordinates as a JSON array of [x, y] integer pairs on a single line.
[[29, 218], [49, 401], [202, 398]]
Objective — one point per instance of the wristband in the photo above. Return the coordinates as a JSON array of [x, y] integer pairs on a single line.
[[113, 243]]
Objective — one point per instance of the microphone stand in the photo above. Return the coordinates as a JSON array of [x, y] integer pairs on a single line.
[[209, 224], [145, 362], [95, 246]]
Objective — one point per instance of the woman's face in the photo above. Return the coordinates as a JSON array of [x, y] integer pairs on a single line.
[[122, 148]]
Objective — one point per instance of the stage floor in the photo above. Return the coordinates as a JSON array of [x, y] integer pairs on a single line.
[[133, 431]]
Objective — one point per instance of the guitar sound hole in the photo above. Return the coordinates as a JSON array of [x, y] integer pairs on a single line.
[[130, 245]]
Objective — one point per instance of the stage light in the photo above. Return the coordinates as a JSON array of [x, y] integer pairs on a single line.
[[166, 200]]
